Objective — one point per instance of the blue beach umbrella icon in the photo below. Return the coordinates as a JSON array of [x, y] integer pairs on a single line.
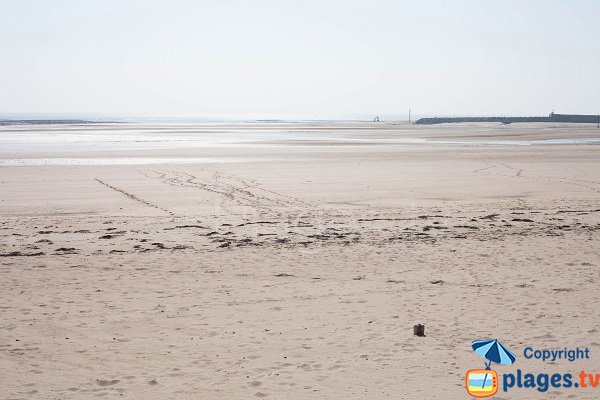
[[493, 351]]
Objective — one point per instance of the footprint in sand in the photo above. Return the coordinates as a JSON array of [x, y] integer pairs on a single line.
[[104, 382]]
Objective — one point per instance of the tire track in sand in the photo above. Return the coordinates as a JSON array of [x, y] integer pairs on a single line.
[[132, 196], [232, 188]]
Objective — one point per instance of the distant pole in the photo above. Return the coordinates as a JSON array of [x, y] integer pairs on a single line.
[[409, 115]]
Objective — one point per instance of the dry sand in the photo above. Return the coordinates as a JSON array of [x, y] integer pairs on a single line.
[[298, 272]]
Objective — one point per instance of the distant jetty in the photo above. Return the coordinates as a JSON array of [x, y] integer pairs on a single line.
[[552, 117]]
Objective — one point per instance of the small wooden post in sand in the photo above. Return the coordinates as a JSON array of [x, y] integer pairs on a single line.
[[419, 330]]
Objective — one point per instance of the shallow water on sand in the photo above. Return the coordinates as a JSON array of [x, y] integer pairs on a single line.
[[44, 145], [66, 161]]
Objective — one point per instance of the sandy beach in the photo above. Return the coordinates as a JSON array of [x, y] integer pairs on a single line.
[[291, 260]]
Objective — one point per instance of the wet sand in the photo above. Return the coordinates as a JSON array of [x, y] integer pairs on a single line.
[[296, 266]]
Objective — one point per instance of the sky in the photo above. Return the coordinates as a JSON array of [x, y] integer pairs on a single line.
[[299, 59]]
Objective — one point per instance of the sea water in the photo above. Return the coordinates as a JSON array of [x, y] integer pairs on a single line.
[[31, 145]]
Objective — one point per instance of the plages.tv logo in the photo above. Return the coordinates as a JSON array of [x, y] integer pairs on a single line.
[[484, 382]]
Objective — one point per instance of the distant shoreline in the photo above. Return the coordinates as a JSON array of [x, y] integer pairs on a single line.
[[552, 117], [9, 122]]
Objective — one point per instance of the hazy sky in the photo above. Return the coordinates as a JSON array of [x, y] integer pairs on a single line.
[[299, 58]]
